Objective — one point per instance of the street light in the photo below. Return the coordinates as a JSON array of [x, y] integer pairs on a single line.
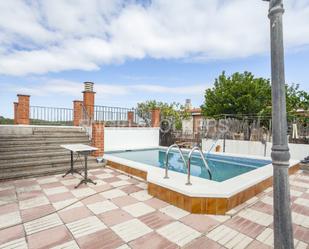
[[283, 231]]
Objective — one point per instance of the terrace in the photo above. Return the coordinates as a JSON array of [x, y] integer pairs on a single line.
[[48, 212]]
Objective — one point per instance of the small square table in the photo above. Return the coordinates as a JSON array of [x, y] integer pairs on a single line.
[[80, 149]]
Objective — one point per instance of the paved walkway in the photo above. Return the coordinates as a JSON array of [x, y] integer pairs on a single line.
[[47, 212]]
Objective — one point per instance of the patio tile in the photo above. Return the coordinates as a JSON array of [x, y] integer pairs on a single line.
[[131, 189], [153, 241], [101, 207], [256, 216], [70, 182], [203, 243], [104, 176], [83, 192], [300, 209], [300, 219], [33, 202], [46, 180], [62, 204], [263, 207], [131, 230], [6, 199], [125, 246], [11, 233], [114, 193], [302, 201], [60, 197], [57, 190], [36, 212], [124, 177], [245, 226], [120, 183], [111, 179], [301, 233], [104, 239], [101, 188], [142, 185], [258, 245], [156, 203], [267, 237], [51, 185], [178, 233], [67, 245], [229, 237], [30, 188], [93, 199], [174, 212], [85, 226], [74, 214], [201, 223], [156, 220], [138, 209], [16, 244], [49, 238], [9, 219], [43, 223], [114, 217], [141, 195], [124, 201], [8, 208]]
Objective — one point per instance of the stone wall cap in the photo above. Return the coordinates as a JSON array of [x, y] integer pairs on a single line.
[[24, 95]]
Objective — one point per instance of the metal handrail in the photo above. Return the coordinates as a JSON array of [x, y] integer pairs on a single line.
[[189, 164], [166, 158]]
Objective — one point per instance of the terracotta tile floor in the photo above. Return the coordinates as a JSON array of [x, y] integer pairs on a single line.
[[47, 212]]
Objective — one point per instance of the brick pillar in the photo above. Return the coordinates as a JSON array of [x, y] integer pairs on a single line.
[[15, 113], [77, 112], [130, 118], [88, 98], [155, 117], [98, 138], [23, 109]]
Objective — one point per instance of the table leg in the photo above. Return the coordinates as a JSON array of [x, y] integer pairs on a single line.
[[71, 170], [86, 179]]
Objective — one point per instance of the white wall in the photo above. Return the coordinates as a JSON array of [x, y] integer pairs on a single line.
[[125, 138], [298, 151]]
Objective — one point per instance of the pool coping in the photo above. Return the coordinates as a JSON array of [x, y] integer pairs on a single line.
[[203, 196]]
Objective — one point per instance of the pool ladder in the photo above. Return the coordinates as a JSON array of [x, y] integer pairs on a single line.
[[187, 164]]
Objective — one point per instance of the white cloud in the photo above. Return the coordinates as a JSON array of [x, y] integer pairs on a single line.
[[56, 35], [103, 90]]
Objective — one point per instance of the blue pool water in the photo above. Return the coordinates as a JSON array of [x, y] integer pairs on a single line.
[[222, 167]]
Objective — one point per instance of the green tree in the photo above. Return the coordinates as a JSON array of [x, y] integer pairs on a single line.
[[174, 112], [240, 93]]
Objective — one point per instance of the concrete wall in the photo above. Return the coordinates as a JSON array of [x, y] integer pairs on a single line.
[[124, 138], [298, 151]]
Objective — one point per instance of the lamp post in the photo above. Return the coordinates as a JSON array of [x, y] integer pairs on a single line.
[[283, 231]]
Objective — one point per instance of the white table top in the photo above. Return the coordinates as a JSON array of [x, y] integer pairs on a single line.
[[78, 147]]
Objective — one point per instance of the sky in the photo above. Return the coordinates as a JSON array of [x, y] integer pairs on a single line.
[[138, 50]]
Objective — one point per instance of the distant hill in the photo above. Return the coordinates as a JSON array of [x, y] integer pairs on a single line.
[[4, 120]]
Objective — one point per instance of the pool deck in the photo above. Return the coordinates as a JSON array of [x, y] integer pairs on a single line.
[[47, 212]]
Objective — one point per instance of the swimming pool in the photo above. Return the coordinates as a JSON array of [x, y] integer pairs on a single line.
[[236, 178], [222, 167]]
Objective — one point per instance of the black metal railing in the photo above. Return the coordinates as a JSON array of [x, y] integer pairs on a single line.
[[40, 115], [117, 116]]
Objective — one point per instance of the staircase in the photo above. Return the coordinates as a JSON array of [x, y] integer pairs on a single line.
[[35, 151]]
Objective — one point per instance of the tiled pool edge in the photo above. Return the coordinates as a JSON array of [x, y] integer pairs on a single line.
[[199, 205]]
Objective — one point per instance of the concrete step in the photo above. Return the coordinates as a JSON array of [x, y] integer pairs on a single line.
[[41, 136], [4, 158], [37, 162], [35, 172], [44, 142], [31, 149], [39, 130]]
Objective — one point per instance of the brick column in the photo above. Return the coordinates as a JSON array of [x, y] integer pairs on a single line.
[[77, 112], [15, 113], [130, 118], [88, 98], [155, 117], [98, 138], [23, 107]]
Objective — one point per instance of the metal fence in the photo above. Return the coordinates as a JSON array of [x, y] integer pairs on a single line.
[[40, 115], [117, 116]]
